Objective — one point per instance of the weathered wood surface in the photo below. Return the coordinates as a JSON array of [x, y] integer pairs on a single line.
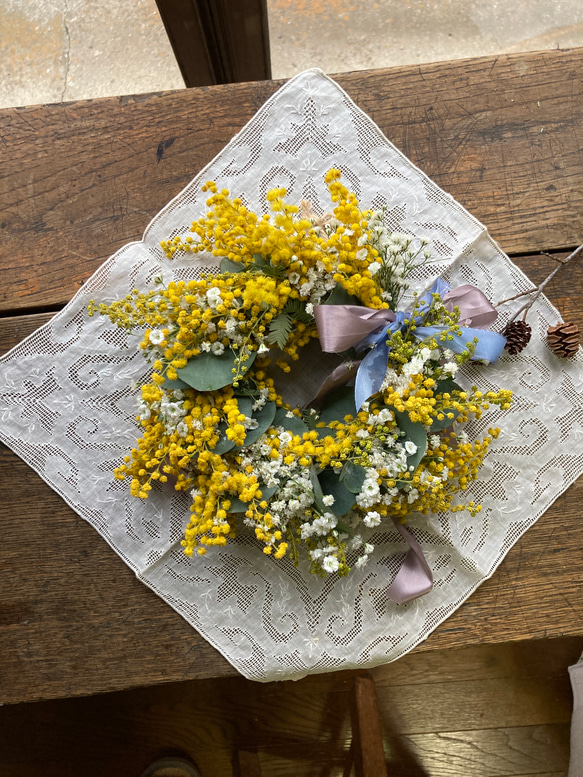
[[502, 135], [471, 704], [80, 180]]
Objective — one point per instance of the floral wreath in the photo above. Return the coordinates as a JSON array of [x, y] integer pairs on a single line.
[[384, 436]]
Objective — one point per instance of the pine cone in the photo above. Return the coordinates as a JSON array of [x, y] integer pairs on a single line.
[[517, 334], [563, 339]]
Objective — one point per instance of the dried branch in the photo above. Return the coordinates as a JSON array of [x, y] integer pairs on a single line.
[[539, 289]]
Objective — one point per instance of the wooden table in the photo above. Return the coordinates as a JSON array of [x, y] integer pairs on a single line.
[[503, 135]]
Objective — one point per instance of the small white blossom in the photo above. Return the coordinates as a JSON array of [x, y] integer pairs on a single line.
[[372, 519], [157, 336], [328, 500], [330, 564], [410, 447], [435, 440], [217, 348]]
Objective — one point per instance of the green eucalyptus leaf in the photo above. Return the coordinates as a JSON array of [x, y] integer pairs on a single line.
[[224, 445], [340, 296], [338, 404], [317, 488], [324, 431], [264, 417], [353, 476], [174, 385], [343, 498], [414, 432], [228, 265], [208, 372], [293, 425], [446, 386]]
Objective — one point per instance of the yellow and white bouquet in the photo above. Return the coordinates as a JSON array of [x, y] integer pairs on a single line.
[[382, 439]]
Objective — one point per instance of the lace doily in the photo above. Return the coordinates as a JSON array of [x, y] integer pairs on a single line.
[[67, 408]]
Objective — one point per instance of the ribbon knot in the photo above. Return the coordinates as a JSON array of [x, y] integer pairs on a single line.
[[341, 327]]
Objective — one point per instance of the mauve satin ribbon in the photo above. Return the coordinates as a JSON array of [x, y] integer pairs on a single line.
[[415, 577], [341, 327]]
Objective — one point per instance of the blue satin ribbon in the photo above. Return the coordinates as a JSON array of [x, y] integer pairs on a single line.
[[372, 370]]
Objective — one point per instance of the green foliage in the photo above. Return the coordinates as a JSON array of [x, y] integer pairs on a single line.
[[280, 330], [228, 265], [416, 434], [332, 484], [264, 417], [281, 326], [339, 296], [208, 372], [238, 506], [338, 404], [353, 476], [292, 425], [260, 264], [446, 386]]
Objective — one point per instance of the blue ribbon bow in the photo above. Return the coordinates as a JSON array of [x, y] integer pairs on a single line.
[[372, 370]]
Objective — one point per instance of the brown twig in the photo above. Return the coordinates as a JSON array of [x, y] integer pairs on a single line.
[[539, 289]]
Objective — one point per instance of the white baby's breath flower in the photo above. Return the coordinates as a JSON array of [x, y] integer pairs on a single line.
[[410, 447], [435, 440], [328, 500], [372, 519], [330, 564], [374, 267], [156, 336], [217, 348]]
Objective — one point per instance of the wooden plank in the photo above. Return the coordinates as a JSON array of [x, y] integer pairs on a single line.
[[514, 751], [297, 727], [530, 659], [218, 41], [82, 179], [367, 739]]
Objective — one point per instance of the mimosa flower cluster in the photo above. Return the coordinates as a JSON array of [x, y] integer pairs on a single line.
[[212, 420]]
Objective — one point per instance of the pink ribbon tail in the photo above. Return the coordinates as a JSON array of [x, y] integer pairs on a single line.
[[415, 577], [476, 310], [338, 377]]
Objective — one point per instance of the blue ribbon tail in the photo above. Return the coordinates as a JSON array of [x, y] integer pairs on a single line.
[[489, 346], [371, 373]]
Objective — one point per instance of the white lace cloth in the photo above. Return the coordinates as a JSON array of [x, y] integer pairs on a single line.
[[67, 408]]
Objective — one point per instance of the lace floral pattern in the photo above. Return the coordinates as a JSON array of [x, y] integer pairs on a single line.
[[67, 408]]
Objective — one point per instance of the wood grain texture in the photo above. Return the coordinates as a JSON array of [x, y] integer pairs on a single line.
[[494, 753], [81, 179], [501, 134], [303, 728]]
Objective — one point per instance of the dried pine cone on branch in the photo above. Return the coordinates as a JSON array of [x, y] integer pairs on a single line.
[[563, 339], [517, 334]]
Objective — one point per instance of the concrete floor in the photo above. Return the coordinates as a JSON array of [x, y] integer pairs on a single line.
[[56, 50]]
